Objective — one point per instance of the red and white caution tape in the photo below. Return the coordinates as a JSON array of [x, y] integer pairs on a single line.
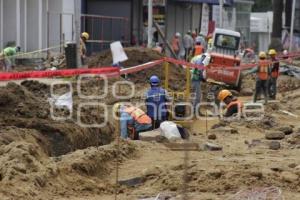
[[107, 71]]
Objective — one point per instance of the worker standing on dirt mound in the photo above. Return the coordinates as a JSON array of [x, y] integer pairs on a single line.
[[156, 102], [188, 44], [84, 37], [263, 74], [197, 77], [7, 57], [234, 106], [176, 44], [133, 119], [274, 74]]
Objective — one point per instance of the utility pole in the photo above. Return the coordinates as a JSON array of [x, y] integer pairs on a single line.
[[150, 23], [221, 13], [77, 7], [292, 25]]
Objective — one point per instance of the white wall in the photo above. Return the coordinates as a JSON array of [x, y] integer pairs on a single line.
[[9, 22]]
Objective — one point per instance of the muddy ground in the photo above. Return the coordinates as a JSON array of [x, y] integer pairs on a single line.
[[42, 158]]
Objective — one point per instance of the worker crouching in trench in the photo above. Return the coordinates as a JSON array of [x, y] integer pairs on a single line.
[[132, 120]]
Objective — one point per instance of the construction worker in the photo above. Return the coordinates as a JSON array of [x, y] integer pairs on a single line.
[[133, 119], [7, 57], [156, 102], [176, 44], [197, 78], [274, 74], [188, 44], [158, 48], [233, 105], [84, 37], [202, 38], [210, 45], [198, 49], [263, 74]]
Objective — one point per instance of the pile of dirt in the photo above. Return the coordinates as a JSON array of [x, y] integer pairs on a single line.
[[27, 172], [21, 108], [287, 84], [138, 56]]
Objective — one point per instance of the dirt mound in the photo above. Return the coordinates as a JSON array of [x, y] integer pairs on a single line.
[[22, 108], [287, 83], [137, 56], [28, 173]]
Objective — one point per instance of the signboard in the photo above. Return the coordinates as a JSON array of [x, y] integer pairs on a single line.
[[205, 19]]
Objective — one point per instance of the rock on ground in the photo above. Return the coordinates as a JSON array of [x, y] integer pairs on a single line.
[[275, 135], [274, 145], [286, 129], [289, 177]]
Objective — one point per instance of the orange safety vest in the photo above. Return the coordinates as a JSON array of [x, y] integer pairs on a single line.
[[198, 50], [138, 115], [263, 69], [236, 102]]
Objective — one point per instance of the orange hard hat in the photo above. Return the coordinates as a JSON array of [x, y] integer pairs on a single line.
[[223, 94]]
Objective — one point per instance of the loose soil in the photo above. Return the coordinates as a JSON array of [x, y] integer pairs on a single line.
[[41, 158]]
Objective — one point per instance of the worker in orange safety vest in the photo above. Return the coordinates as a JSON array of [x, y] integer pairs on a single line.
[[198, 49], [233, 105], [132, 118], [263, 75]]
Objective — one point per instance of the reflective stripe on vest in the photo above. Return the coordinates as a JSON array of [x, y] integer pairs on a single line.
[[238, 103], [263, 69], [198, 50], [138, 115]]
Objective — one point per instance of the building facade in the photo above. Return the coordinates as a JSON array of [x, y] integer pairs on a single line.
[[35, 24]]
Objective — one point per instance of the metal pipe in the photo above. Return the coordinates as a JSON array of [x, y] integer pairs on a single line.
[[292, 25], [150, 22]]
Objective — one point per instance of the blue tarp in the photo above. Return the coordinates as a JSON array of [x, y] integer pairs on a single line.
[[214, 2]]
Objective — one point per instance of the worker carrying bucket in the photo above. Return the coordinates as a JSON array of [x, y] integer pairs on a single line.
[[133, 120]]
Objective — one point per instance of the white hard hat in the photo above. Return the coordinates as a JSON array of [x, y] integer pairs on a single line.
[[178, 34], [285, 52]]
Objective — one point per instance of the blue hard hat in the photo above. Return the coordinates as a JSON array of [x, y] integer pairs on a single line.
[[154, 80]]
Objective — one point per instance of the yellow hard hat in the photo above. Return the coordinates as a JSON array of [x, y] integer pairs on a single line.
[[85, 35], [223, 94], [262, 54], [272, 52], [116, 108]]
